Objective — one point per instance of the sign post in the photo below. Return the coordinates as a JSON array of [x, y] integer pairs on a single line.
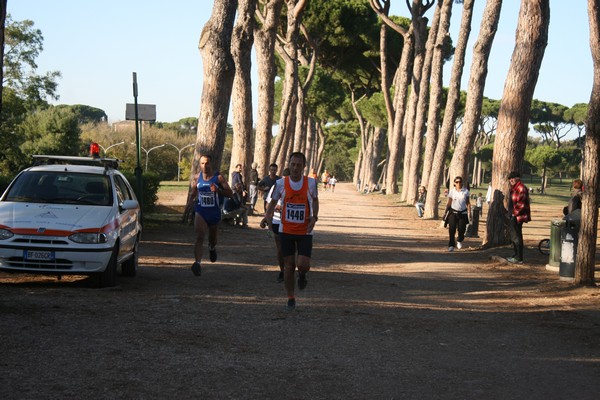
[[139, 113], [138, 144]]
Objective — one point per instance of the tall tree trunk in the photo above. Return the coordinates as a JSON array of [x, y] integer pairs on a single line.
[[586, 248], [289, 53], [482, 48], [363, 140], [241, 46], [2, 26], [375, 149], [219, 71], [411, 178], [265, 37], [383, 63], [420, 31], [311, 137], [396, 138], [513, 118], [436, 91], [321, 148], [471, 120]]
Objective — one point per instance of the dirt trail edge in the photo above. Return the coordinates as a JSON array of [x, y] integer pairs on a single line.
[[388, 313]]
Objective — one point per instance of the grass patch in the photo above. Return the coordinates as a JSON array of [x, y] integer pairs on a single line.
[[173, 186]]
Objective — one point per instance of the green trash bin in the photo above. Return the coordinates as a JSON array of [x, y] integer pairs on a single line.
[[556, 227]]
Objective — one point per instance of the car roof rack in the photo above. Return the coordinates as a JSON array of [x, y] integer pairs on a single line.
[[73, 160]]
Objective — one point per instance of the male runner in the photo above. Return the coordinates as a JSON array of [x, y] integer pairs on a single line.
[[298, 217], [211, 186]]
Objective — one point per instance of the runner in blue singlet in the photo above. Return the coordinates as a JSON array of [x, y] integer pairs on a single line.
[[211, 187]]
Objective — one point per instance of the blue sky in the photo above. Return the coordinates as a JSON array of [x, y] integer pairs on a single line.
[[96, 45]]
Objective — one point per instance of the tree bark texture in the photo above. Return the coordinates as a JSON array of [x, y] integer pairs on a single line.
[[436, 91], [513, 118], [265, 37], [586, 248], [421, 112], [2, 26], [241, 46], [396, 138], [420, 31], [219, 71], [479, 70], [438, 163], [289, 53]]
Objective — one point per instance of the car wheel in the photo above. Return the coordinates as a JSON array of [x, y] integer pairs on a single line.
[[129, 267], [108, 277]]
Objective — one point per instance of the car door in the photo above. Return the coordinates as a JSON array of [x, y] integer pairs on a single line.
[[128, 219]]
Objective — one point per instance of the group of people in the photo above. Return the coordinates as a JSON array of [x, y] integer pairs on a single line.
[[291, 211], [328, 180], [458, 212]]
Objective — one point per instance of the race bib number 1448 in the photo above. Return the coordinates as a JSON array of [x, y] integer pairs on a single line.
[[295, 213]]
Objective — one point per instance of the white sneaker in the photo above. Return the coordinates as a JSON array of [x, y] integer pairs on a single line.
[[459, 245], [450, 248]]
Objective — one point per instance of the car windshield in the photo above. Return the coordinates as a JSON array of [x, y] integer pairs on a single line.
[[61, 188]]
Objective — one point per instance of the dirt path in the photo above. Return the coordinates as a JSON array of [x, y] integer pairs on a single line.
[[388, 314]]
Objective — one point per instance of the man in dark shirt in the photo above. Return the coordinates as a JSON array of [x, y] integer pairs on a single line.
[[265, 184]]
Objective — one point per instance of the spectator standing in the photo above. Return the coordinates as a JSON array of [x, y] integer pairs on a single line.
[[459, 206], [253, 188], [520, 213], [267, 182], [237, 176]]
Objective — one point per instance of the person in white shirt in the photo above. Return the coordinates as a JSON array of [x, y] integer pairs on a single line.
[[458, 217]]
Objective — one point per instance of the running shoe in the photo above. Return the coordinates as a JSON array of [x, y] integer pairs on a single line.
[[197, 268], [213, 254], [514, 260], [291, 305], [451, 248], [280, 277], [459, 245], [302, 282]]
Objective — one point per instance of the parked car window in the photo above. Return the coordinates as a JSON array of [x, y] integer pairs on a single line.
[[60, 187], [123, 192]]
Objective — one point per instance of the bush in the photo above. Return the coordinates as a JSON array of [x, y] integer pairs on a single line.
[[150, 185], [4, 182]]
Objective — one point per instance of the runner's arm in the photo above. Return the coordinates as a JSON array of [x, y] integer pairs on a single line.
[[225, 189]]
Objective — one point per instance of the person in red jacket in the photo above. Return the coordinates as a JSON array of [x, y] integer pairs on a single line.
[[520, 213]]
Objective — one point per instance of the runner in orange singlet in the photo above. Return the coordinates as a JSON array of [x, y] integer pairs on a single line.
[[298, 217]]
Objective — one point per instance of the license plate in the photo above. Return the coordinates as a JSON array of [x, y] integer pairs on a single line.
[[38, 255]]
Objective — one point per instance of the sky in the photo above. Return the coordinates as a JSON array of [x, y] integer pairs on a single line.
[[97, 45]]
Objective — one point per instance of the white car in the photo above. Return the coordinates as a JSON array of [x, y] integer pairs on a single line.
[[70, 216]]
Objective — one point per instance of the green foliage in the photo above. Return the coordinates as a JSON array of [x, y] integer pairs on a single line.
[[373, 110], [4, 182], [87, 114], [341, 150], [325, 96], [185, 126], [150, 186], [544, 157], [23, 44], [51, 131], [577, 114], [24, 94]]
